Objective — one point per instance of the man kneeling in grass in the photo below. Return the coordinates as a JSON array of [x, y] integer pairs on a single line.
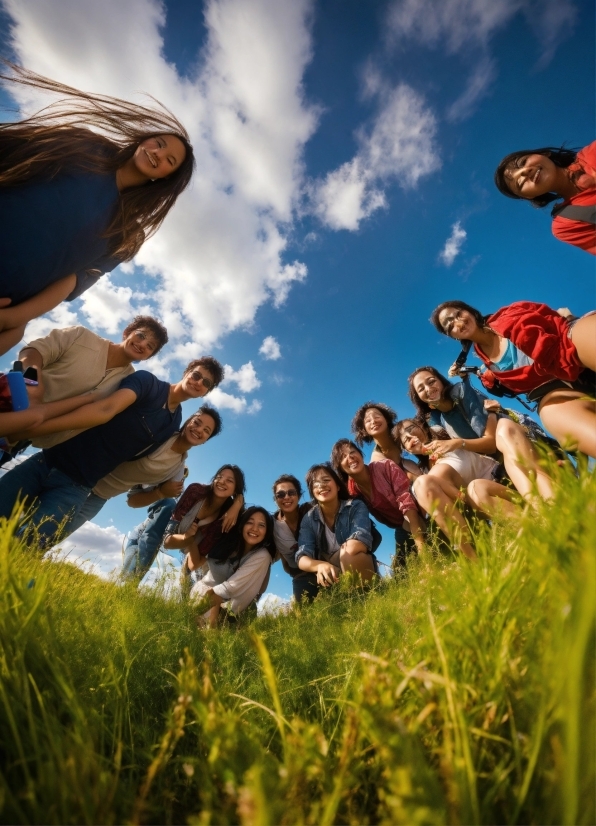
[[336, 535], [138, 417]]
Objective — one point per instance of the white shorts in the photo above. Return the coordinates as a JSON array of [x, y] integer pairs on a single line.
[[469, 465]]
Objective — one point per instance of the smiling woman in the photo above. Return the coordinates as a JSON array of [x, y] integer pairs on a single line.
[[83, 183]]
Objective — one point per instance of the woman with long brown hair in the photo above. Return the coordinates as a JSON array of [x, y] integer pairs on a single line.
[[83, 183]]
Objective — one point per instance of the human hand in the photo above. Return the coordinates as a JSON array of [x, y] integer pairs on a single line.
[[5, 302], [326, 574], [453, 370], [229, 519], [171, 489], [439, 447], [492, 405], [565, 312], [191, 532]]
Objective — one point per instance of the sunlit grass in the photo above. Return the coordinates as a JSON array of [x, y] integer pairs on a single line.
[[459, 693]]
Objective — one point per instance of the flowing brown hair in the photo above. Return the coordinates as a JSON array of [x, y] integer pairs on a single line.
[[94, 133]]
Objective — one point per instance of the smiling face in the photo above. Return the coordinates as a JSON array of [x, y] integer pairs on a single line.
[[351, 462], [198, 382], [199, 429], [374, 422], [254, 531], [428, 387], [286, 497], [457, 324], [139, 344], [159, 156], [324, 488], [530, 176], [413, 437], [224, 484]]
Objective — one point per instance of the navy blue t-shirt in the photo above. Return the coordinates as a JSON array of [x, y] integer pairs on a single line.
[[138, 430], [53, 228]]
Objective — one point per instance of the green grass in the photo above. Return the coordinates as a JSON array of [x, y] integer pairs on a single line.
[[461, 693]]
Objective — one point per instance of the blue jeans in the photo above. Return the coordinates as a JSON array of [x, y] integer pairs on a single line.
[[144, 541], [53, 495], [90, 508]]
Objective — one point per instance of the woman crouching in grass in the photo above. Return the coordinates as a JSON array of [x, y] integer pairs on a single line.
[[446, 475], [336, 535], [238, 567], [287, 492], [202, 514], [385, 489]]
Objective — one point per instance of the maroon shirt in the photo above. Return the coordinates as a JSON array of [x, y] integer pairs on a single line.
[[391, 495]]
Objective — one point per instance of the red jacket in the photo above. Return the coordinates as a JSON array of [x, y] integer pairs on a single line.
[[583, 173], [540, 333]]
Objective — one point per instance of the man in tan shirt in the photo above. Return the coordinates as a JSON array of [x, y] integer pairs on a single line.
[[75, 360]]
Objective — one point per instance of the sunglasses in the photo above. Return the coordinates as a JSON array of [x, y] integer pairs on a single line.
[[281, 494], [196, 375]]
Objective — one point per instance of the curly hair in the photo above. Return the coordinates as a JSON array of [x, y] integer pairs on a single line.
[[209, 363], [423, 408], [358, 429], [153, 325], [559, 155], [326, 467]]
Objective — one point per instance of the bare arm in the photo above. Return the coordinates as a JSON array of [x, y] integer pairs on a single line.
[[17, 316], [23, 423], [167, 490], [485, 444], [91, 415], [230, 517], [325, 571]]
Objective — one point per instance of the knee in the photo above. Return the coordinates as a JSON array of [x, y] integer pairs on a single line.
[[507, 432]]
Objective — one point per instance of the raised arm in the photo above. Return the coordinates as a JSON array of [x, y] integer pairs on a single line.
[[91, 415], [166, 490]]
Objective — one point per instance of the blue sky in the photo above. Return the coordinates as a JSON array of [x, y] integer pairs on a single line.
[[339, 143]]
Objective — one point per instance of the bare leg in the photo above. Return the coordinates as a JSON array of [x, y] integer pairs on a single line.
[[492, 499], [571, 418], [431, 495], [357, 562], [583, 335], [522, 461]]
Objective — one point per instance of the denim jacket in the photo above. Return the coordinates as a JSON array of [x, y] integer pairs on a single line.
[[352, 522], [469, 402]]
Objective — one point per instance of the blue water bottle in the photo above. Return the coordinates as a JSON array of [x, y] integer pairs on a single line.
[[18, 390]]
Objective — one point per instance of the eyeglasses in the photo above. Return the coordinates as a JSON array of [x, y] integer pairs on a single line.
[[321, 483], [447, 325], [281, 494], [196, 375]]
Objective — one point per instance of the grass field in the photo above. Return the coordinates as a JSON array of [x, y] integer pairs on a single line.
[[460, 693]]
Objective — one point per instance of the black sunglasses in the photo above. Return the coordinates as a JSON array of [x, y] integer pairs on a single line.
[[281, 494]]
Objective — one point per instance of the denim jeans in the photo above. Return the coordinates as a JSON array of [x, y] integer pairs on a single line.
[[90, 508], [53, 495], [144, 541]]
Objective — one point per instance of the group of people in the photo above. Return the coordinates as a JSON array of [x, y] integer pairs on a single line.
[[83, 184]]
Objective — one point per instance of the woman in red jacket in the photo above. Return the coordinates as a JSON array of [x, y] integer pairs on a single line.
[[544, 175], [531, 349]]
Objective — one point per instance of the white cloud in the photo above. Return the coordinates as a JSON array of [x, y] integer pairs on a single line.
[[399, 145], [467, 26], [245, 377], [453, 244], [270, 349], [220, 254], [238, 404], [100, 547], [272, 605]]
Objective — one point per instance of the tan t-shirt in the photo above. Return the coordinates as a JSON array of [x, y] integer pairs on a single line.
[[74, 361], [157, 467]]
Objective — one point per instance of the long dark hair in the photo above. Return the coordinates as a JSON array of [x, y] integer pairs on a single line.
[[239, 487], [423, 408], [268, 540], [327, 467], [94, 133], [436, 433], [559, 155]]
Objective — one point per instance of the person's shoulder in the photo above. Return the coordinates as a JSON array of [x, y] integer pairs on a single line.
[[145, 380]]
